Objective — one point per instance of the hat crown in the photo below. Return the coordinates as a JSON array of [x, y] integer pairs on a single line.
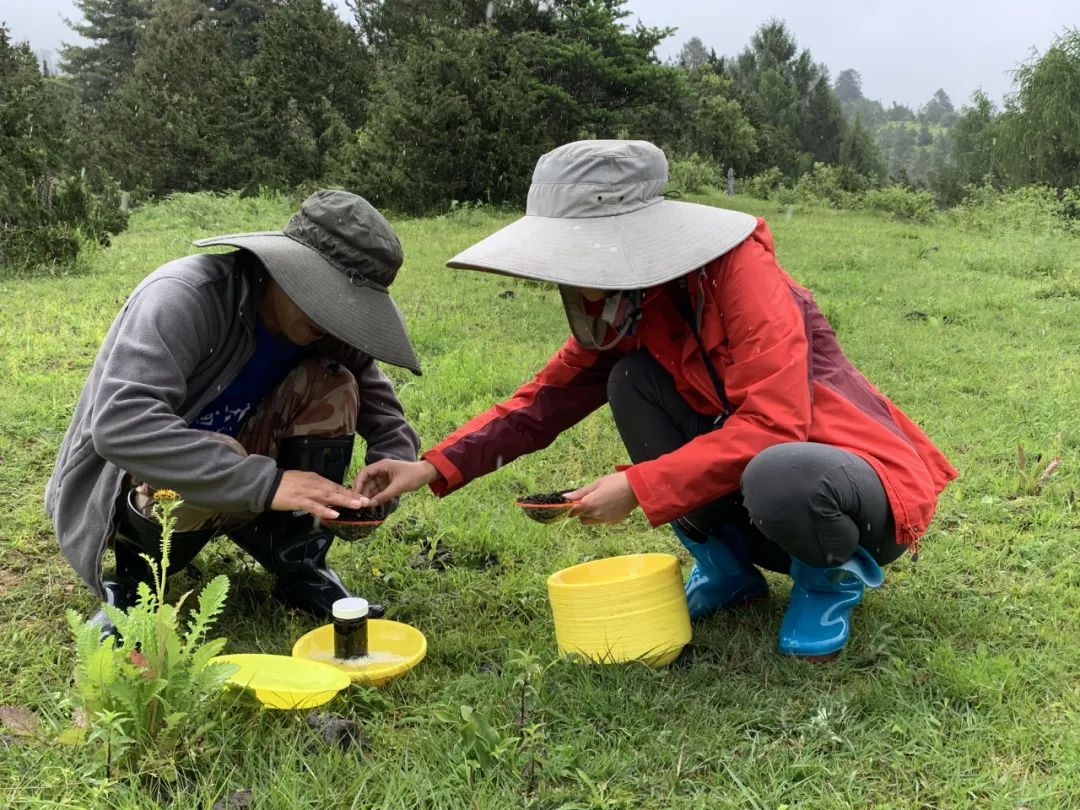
[[350, 233], [597, 179]]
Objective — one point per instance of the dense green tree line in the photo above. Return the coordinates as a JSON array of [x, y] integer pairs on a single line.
[[48, 204], [415, 103]]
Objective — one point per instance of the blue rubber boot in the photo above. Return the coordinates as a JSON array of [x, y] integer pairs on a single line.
[[818, 620], [722, 575]]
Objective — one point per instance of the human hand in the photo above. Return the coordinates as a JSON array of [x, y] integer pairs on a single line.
[[606, 500], [381, 482], [310, 492]]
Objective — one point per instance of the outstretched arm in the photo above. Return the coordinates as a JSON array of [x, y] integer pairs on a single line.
[[572, 385]]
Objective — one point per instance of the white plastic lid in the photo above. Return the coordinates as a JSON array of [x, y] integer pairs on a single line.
[[352, 607]]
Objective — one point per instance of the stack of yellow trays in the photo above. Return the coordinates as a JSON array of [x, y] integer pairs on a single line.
[[629, 608]]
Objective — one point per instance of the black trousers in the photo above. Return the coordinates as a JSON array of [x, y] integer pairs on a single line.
[[806, 500]]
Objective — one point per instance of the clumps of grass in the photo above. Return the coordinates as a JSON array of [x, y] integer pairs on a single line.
[[1068, 289], [1034, 473], [488, 742]]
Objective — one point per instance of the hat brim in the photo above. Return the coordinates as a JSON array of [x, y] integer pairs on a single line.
[[363, 317], [637, 250]]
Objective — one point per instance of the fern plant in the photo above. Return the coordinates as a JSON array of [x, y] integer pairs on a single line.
[[156, 682]]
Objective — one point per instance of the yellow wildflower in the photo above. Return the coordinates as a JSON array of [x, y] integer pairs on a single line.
[[166, 495]]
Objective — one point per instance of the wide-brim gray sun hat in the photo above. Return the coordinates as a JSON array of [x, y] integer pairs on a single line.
[[596, 218], [335, 259]]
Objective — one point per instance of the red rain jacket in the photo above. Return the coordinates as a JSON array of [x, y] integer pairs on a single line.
[[785, 376]]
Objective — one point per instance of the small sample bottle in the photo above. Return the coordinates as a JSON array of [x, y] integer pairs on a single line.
[[350, 628]]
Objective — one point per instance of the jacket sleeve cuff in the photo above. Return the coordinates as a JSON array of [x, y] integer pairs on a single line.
[[655, 510], [273, 489], [451, 476]]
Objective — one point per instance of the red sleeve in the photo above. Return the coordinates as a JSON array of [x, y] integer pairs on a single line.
[[572, 385], [766, 379]]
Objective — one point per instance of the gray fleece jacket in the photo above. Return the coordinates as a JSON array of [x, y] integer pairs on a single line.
[[181, 338]]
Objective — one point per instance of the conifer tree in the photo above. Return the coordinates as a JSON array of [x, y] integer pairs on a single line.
[[308, 81], [824, 122], [860, 157], [240, 19], [182, 121], [115, 29], [789, 100], [463, 113], [47, 207]]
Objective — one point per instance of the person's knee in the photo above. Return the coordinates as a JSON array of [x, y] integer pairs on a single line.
[[769, 474], [797, 508], [770, 492], [320, 373]]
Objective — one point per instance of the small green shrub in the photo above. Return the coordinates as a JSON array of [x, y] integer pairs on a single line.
[[468, 213], [693, 174], [1033, 209], [149, 693], [44, 224], [37, 248], [902, 203], [487, 741], [765, 186], [824, 186]]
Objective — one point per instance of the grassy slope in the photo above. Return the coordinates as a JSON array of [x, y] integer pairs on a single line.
[[960, 685]]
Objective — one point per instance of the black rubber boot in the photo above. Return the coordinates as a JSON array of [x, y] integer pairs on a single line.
[[136, 535], [121, 587], [292, 545]]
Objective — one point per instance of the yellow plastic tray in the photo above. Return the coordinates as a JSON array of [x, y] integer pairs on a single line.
[[393, 649], [282, 682]]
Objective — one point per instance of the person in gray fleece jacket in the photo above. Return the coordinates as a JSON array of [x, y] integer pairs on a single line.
[[240, 380]]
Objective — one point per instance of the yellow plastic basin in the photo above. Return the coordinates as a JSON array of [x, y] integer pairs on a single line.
[[281, 682], [393, 649], [628, 608]]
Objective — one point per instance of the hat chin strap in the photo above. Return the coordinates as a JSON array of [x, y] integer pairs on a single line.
[[590, 330]]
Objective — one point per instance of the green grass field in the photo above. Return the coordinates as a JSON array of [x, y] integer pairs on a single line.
[[960, 688]]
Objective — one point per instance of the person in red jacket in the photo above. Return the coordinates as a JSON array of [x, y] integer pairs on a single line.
[[750, 432]]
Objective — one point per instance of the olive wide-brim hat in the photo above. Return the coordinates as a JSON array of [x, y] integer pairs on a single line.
[[596, 218], [335, 259]]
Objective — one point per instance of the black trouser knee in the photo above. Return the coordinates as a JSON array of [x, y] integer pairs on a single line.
[[818, 503], [812, 513]]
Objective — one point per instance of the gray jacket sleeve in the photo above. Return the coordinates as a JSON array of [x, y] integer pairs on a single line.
[[163, 333], [380, 419]]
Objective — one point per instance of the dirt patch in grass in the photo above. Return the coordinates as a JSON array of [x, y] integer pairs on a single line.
[[9, 580]]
